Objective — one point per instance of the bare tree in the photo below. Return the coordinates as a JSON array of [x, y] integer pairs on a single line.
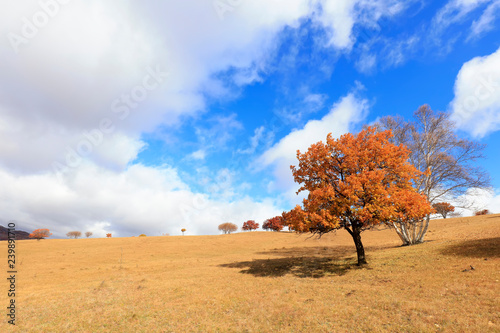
[[228, 227], [88, 234], [455, 214], [74, 234], [448, 163]]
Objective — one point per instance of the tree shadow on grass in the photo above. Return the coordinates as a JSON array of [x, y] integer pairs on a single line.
[[304, 262], [477, 248], [322, 251]]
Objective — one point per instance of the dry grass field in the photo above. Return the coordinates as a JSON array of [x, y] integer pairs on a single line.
[[262, 282]]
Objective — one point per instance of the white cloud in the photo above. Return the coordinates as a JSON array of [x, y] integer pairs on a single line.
[[315, 101], [198, 155], [79, 65], [32, 146], [138, 200], [218, 132], [485, 22], [479, 199], [342, 116], [134, 66], [366, 62], [337, 17], [258, 136], [476, 106], [301, 105], [118, 151], [396, 52], [455, 11]]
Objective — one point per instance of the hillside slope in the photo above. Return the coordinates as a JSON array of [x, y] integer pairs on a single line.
[[263, 282]]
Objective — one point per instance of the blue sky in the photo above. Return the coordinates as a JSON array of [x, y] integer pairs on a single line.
[[147, 118]]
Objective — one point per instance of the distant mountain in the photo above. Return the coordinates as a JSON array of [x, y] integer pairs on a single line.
[[19, 234]]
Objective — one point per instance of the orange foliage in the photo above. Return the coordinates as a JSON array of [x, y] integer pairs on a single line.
[[443, 208], [228, 227], [250, 225], [40, 234], [355, 182], [275, 224], [482, 212], [108, 235]]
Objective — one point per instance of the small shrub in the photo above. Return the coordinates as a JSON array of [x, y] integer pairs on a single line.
[[142, 235], [482, 212], [108, 235]]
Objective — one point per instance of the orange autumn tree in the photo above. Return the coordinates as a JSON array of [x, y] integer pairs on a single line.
[[228, 227], [355, 182], [250, 225], [40, 234], [443, 208], [275, 224]]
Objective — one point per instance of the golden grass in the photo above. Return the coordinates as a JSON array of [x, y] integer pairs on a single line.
[[262, 282]]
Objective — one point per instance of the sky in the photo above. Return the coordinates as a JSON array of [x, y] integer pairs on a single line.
[[130, 117]]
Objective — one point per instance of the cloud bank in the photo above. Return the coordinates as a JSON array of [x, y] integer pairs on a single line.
[[476, 106]]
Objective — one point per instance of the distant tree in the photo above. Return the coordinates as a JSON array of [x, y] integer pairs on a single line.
[[482, 212], [228, 227], [40, 234], [448, 164], [142, 235], [74, 234], [443, 208], [250, 225], [354, 183], [275, 224], [183, 231], [88, 234], [108, 235]]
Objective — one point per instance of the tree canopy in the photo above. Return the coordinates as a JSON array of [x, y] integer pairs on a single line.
[[74, 234], [250, 225], [275, 224], [448, 163], [354, 183], [40, 234], [228, 227], [443, 208]]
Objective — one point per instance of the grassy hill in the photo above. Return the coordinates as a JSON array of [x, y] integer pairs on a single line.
[[262, 282]]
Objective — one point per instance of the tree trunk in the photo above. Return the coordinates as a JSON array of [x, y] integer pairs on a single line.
[[360, 250], [425, 225], [398, 231]]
